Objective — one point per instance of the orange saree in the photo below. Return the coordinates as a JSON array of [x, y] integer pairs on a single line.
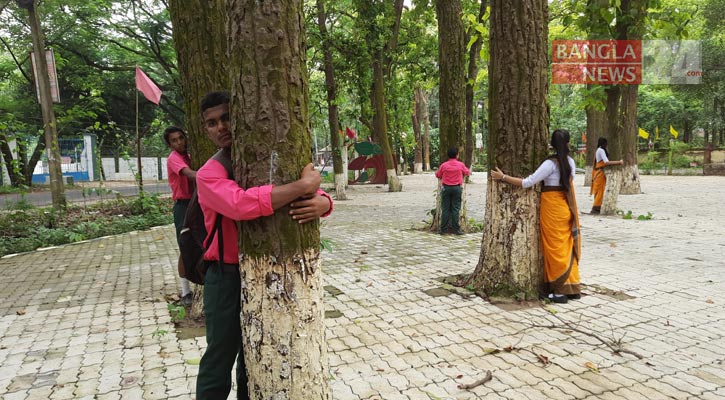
[[560, 239], [599, 181]]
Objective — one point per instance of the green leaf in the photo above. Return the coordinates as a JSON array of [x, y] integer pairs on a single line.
[[606, 15], [193, 361]]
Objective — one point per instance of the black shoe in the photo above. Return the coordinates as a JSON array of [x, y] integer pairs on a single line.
[[458, 232], [558, 298], [187, 300], [576, 296]]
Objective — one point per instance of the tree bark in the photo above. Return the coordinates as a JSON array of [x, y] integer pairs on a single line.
[[622, 105], [332, 112], [380, 123], [201, 49], [282, 311], [511, 262], [452, 94], [473, 56], [628, 118], [17, 177], [596, 128], [426, 132], [612, 189], [200, 40], [417, 116], [46, 106], [451, 61]]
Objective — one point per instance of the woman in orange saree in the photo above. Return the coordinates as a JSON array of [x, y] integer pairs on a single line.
[[599, 180], [559, 219]]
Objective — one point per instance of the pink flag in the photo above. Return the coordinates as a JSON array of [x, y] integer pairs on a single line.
[[147, 87]]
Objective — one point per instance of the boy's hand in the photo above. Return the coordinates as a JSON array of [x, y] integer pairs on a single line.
[[309, 208], [310, 180]]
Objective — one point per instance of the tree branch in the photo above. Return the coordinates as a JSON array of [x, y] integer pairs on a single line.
[[17, 63]]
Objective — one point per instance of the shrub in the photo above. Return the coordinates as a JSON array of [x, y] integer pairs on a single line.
[[26, 230]]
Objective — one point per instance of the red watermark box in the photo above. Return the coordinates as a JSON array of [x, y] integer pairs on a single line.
[[604, 62]]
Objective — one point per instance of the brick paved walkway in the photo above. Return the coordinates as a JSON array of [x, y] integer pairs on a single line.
[[79, 321]]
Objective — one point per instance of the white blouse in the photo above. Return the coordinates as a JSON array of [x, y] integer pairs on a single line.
[[601, 155], [548, 172]]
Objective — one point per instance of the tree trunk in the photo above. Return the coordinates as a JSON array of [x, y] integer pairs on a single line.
[[612, 189], [380, 123], [452, 94], [16, 176], [201, 50], [451, 61], [628, 118], [417, 116], [511, 261], [34, 159], [426, 132], [622, 106], [687, 130], [473, 56], [46, 106], [332, 113], [596, 128], [282, 311]]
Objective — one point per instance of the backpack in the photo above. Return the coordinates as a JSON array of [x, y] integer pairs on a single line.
[[193, 241]]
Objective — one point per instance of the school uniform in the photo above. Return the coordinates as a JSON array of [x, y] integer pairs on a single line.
[[220, 195], [451, 174]]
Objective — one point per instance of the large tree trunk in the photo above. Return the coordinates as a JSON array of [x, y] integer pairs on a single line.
[[282, 311], [612, 189], [473, 56], [201, 50], [452, 93], [628, 118], [511, 262], [332, 113], [621, 108], [380, 123]]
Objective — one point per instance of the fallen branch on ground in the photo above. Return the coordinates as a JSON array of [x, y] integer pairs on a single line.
[[479, 382]]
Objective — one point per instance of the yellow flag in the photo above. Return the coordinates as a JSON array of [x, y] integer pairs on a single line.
[[643, 133], [673, 132], [657, 133]]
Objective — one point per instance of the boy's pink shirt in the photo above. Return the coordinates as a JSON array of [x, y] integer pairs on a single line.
[[180, 187], [452, 172], [219, 194]]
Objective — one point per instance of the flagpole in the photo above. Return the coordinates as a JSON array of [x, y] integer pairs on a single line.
[[138, 151]]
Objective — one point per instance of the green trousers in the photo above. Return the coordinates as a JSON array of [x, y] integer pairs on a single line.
[[222, 290], [450, 207]]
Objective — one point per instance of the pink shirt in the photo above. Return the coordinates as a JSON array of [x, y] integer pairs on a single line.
[[219, 194], [180, 187], [452, 172]]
